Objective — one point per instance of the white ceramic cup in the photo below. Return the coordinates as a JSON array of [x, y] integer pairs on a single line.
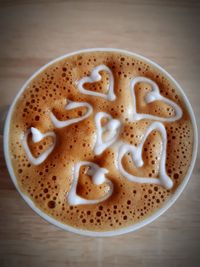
[[124, 230]]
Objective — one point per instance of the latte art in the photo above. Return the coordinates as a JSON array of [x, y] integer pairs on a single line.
[[95, 77], [136, 153], [36, 137], [71, 105], [112, 128], [98, 178], [152, 96], [100, 140]]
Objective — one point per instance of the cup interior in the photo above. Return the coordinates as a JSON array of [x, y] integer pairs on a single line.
[[124, 230]]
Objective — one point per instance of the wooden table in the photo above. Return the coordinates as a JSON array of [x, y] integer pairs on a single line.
[[34, 32]]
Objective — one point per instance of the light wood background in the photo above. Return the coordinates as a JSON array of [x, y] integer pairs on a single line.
[[34, 32]]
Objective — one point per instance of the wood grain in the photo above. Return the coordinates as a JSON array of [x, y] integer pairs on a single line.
[[34, 32]]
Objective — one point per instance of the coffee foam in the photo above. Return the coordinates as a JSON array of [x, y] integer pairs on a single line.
[[48, 184]]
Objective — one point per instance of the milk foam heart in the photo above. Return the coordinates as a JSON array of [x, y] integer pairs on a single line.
[[112, 128], [95, 77], [136, 153], [71, 105], [37, 136], [152, 96], [98, 178]]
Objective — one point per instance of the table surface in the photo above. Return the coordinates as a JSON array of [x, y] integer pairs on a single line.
[[34, 32]]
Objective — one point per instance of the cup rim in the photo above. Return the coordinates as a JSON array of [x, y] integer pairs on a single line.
[[123, 230]]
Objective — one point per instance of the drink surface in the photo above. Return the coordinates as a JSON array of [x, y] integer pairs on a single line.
[[100, 140]]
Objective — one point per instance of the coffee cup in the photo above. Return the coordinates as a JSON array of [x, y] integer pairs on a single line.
[[107, 132]]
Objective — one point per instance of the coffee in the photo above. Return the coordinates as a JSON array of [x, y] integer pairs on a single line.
[[100, 140]]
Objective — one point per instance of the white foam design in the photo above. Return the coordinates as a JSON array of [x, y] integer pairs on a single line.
[[37, 136], [111, 129], [98, 178], [151, 97], [136, 153], [71, 105], [95, 77]]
